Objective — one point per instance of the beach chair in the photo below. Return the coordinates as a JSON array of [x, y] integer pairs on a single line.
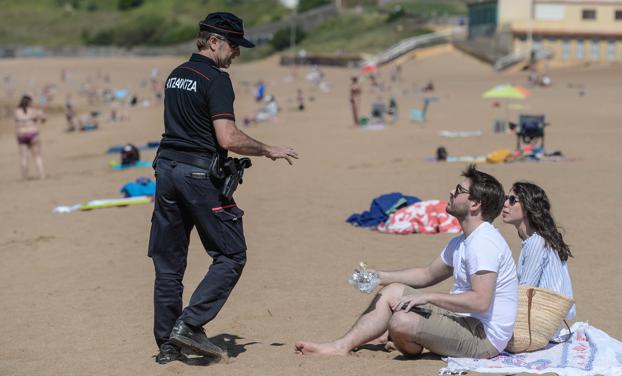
[[419, 116], [530, 129], [378, 111]]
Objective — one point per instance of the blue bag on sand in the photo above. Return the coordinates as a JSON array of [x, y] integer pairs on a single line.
[[141, 187]]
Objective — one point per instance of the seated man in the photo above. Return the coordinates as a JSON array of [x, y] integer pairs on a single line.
[[378, 110], [476, 319]]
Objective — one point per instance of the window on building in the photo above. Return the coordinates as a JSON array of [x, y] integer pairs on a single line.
[[595, 50], [551, 42], [566, 49], [611, 50], [588, 14], [549, 12], [580, 49], [537, 42], [618, 15]]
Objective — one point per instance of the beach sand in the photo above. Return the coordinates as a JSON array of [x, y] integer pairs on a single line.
[[76, 292]]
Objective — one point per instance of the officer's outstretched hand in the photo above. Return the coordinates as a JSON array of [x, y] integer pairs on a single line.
[[277, 152]]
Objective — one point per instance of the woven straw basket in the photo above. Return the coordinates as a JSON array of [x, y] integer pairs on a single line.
[[540, 313]]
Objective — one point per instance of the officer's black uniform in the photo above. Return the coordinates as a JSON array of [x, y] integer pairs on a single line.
[[196, 94]]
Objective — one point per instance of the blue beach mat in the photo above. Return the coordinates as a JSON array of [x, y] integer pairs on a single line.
[[119, 148], [116, 166]]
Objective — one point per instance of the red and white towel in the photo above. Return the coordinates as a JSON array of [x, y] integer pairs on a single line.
[[425, 217]]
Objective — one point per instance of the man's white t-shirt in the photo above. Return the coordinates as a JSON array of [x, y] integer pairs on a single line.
[[485, 249]]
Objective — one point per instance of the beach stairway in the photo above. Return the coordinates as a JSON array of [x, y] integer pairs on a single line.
[[410, 44], [522, 56]]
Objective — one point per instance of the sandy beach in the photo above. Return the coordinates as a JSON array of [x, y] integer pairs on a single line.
[[77, 288]]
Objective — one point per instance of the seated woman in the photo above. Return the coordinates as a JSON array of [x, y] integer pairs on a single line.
[[543, 260]]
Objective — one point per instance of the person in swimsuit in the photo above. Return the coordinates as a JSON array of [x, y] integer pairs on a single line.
[[355, 99], [27, 121], [70, 114]]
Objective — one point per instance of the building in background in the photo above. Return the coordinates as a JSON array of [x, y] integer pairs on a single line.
[[574, 30]]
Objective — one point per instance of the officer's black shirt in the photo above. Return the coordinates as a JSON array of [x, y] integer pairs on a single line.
[[196, 93]]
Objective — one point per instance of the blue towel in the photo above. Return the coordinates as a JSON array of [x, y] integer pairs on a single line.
[[380, 209], [141, 187], [119, 166]]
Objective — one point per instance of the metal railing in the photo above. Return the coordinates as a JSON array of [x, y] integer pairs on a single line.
[[406, 45]]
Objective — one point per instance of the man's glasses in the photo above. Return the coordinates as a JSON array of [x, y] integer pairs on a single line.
[[512, 199], [460, 189]]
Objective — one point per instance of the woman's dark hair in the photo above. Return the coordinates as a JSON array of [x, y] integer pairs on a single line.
[[538, 210], [486, 190], [25, 102]]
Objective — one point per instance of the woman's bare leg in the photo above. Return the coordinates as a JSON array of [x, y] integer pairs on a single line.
[[36, 152], [23, 160]]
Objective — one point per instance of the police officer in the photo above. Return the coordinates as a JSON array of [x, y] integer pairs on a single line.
[[199, 129]]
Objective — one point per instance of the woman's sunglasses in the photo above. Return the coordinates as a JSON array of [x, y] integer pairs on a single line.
[[512, 199]]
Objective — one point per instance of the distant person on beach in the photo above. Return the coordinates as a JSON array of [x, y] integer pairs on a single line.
[[476, 319], [396, 73], [378, 110], [543, 259], [153, 78], [393, 110], [269, 111], [260, 91], [27, 122], [70, 114], [428, 87], [355, 99], [300, 98], [89, 122], [193, 178]]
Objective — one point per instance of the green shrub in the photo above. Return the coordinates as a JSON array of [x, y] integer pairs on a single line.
[[305, 5], [281, 39], [100, 38], [396, 13], [146, 29], [177, 34], [92, 6], [129, 4]]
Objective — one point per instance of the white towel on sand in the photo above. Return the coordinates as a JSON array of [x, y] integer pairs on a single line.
[[589, 351]]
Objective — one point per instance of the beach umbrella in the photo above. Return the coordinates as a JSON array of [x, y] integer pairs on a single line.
[[369, 68], [507, 92]]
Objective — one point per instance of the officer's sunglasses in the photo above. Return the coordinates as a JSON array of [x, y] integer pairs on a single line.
[[512, 199], [231, 44]]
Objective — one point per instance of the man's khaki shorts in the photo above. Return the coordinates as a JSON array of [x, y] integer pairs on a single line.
[[449, 334]]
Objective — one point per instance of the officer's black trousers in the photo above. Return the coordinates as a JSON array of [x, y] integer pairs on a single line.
[[185, 198]]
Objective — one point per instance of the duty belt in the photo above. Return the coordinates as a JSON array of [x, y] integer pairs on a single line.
[[187, 158]]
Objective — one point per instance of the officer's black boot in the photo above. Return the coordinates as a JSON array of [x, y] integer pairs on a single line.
[[168, 353], [195, 338]]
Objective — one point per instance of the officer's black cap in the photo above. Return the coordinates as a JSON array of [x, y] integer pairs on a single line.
[[227, 25]]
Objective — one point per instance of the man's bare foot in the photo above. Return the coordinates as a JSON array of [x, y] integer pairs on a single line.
[[310, 348], [382, 340], [389, 346]]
